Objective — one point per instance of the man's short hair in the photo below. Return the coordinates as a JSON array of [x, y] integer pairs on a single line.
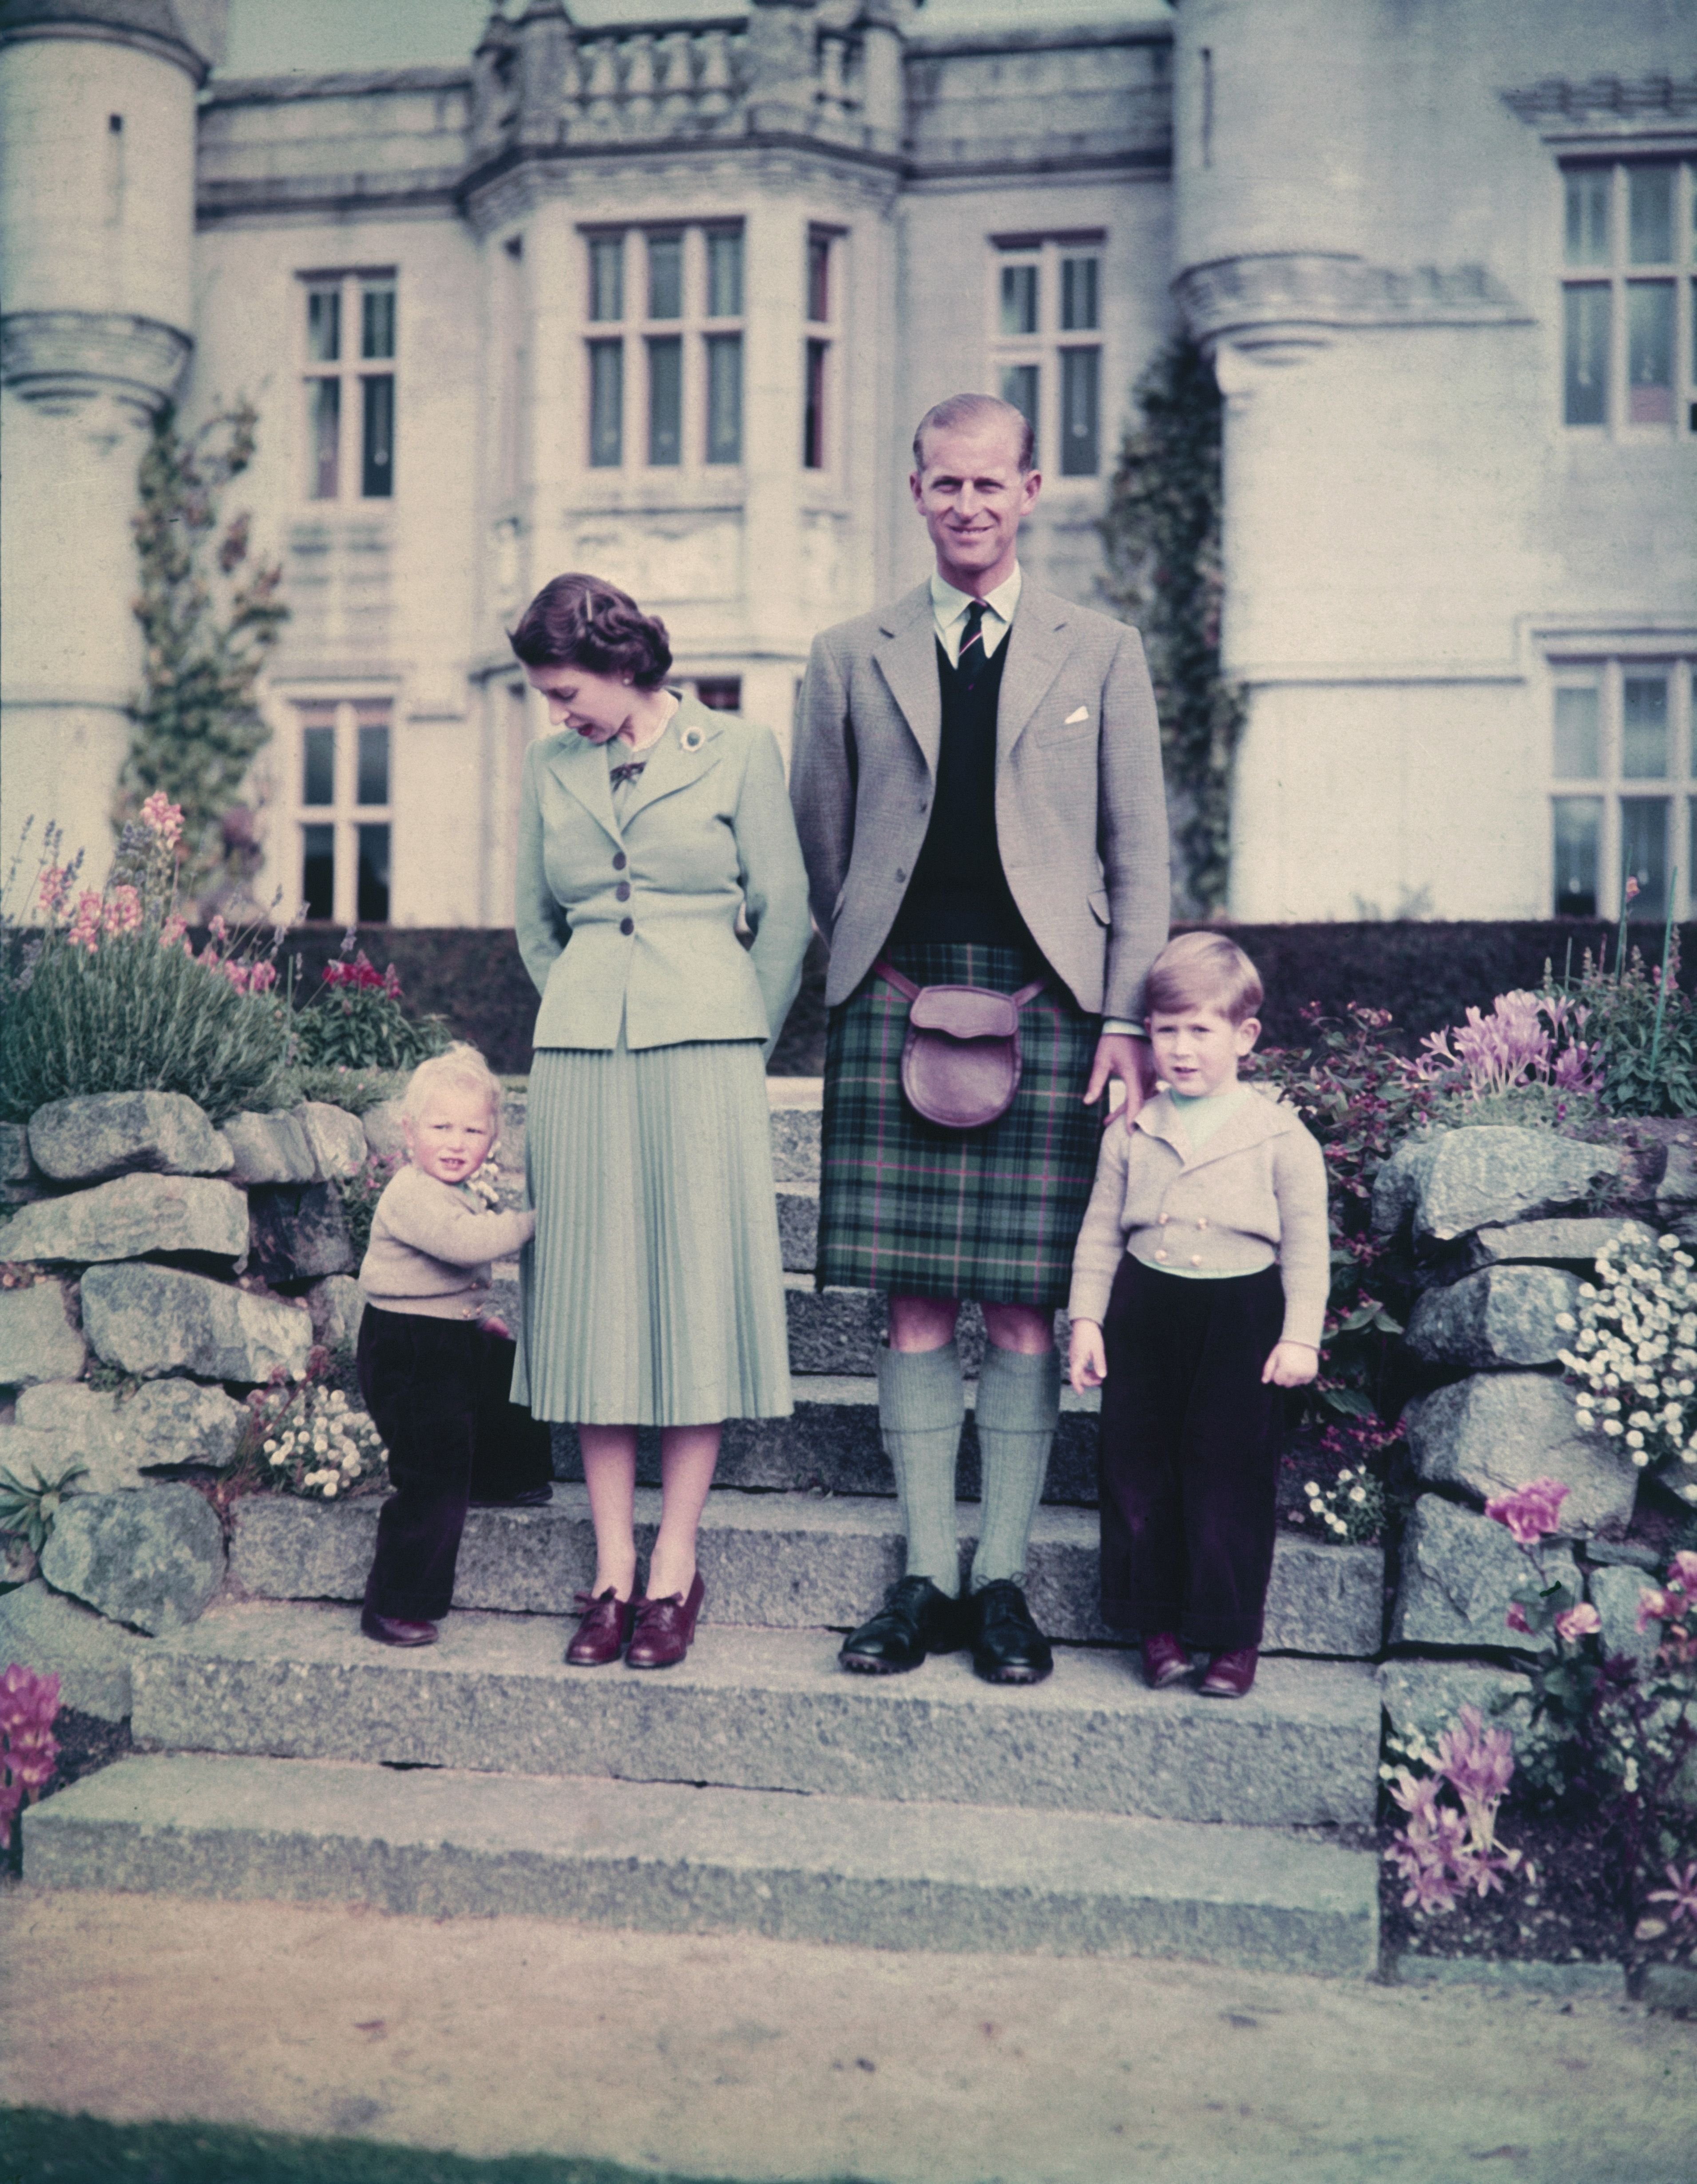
[[1203, 971], [969, 409]]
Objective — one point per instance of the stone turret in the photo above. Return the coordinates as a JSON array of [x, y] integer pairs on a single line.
[[96, 227]]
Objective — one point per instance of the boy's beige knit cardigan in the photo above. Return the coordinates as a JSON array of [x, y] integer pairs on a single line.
[[1253, 1196]]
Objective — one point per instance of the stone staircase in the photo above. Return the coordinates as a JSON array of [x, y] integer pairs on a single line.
[[756, 1787]]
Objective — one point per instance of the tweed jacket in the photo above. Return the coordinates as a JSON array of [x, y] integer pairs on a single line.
[[635, 921], [1081, 813], [1254, 1193]]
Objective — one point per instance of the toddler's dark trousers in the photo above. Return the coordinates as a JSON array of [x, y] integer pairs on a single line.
[[439, 1392], [1189, 1454]]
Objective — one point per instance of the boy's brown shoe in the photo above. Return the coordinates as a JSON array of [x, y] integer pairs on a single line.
[[1230, 1674], [394, 1630], [1164, 1660]]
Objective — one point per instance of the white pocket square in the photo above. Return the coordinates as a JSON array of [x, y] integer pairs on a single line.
[[1072, 719]]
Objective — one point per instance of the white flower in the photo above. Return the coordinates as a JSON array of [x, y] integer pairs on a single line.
[[1689, 1493], [1311, 1487], [1634, 1441], [1565, 1319], [1358, 1494], [328, 1489], [1640, 1458], [1667, 1243], [278, 1457], [1612, 1426]]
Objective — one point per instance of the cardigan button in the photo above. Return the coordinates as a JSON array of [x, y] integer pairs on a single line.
[[622, 892], [619, 860], [1160, 1255], [628, 925], [1165, 1218], [1196, 1258]]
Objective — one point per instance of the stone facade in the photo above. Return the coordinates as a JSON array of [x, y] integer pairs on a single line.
[[866, 215]]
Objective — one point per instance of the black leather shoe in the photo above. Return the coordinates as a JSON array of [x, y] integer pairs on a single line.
[[1007, 1645], [917, 1617]]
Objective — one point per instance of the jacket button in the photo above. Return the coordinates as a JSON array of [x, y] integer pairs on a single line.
[[1202, 1224], [924, 804], [622, 892], [628, 925], [1196, 1258], [901, 874], [1160, 1255], [619, 860], [1165, 1218]]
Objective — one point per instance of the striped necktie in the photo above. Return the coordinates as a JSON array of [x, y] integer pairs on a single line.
[[971, 654]]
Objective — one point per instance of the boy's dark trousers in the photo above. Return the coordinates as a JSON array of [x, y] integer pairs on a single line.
[[1189, 1454], [439, 1392]]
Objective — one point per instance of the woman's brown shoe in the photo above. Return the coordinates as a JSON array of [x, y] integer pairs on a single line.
[[605, 1631], [1230, 1674], [664, 1629], [1164, 1660]]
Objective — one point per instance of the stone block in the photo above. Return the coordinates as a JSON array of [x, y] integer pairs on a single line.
[[1498, 1431], [337, 1138], [1575, 1242], [299, 1231], [1455, 1181], [384, 1138], [132, 1217], [1460, 1572], [834, 1330], [152, 1560], [1676, 1192], [1427, 1695], [85, 1140], [14, 1153], [91, 1657], [798, 1228], [1501, 1315], [37, 1341], [18, 1559], [336, 1306], [795, 1144], [150, 1321], [1615, 1593], [1671, 1988], [269, 1149], [165, 1422]]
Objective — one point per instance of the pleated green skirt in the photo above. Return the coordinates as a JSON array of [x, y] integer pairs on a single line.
[[653, 1289]]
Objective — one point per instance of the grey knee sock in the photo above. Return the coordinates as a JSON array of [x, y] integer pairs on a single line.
[[921, 1407], [1019, 1405]]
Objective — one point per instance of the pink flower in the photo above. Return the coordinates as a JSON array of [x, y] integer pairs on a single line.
[[1682, 1895], [1684, 1573], [1531, 1511], [165, 817], [123, 913], [1581, 1622], [1516, 1618], [55, 884], [1653, 1607], [219, 930], [236, 974], [174, 930], [261, 978], [84, 925], [1417, 1795]]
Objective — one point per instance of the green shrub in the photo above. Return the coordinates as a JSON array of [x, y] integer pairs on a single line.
[[355, 1021]]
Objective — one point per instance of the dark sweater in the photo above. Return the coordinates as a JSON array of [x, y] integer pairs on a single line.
[[958, 892]]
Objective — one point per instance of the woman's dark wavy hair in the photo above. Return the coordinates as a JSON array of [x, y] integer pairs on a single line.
[[583, 622]]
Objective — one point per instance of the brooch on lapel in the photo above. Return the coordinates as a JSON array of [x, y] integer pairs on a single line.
[[692, 739]]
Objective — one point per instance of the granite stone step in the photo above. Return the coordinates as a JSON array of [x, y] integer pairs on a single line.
[[782, 1561], [766, 1710], [673, 1858]]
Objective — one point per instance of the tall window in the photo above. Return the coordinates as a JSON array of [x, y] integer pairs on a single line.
[[821, 278], [1628, 295], [346, 808], [1624, 783], [1046, 341], [664, 346], [349, 326]]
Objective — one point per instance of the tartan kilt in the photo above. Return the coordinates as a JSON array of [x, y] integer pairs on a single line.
[[915, 1210]]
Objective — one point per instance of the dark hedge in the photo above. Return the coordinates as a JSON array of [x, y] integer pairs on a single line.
[[1425, 973]]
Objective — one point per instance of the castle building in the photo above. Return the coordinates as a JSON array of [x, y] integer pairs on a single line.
[[663, 300]]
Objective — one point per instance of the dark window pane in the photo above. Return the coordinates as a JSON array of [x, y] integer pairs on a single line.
[[1585, 355], [1643, 725], [819, 279], [1588, 216], [607, 276], [318, 870], [377, 322], [724, 276], [606, 405], [1018, 387], [372, 907], [720, 694], [377, 463], [1080, 302], [1643, 854], [1018, 299], [1649, 351], [324, 423], [1080, 388], [1578, 821], [373, 786], [665, 401], [1577, 742], [1649, 219], [318, 768], [813, 417], [324, 326], [666, 276], [725, 397]]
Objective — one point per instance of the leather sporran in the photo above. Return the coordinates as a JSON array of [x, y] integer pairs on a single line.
[[961, 1061]]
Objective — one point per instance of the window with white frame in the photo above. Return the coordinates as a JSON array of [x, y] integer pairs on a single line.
[[1624, 786], [1629, 294], [664, 346], [345, 779], [347, 323], [1046, 343], [820, 273]]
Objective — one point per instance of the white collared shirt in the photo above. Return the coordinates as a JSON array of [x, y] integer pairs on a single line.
[[949, 612]]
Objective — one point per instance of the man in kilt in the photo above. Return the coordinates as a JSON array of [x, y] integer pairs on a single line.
[[978, 784]]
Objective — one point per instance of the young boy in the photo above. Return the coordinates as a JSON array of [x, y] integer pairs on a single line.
[[435, 1374], [1199, 1291]]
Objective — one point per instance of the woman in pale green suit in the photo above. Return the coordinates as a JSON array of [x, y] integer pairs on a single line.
[[650, 831]]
